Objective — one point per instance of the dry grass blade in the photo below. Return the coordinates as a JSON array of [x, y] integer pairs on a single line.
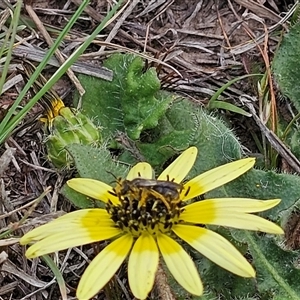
[[9, 267], [35, 54], [8, 242], [259, 9]]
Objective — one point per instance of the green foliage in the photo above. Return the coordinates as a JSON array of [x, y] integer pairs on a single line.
[[131, 103], [183, 125], [286, 67], [278, 272], [12, 119], [296, 15], [58, 275], [7, 44], [186, 125], [294, 141]]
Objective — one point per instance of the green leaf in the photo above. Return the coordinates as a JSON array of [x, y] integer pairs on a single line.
[[285, 65], [185, 125], [58, 275], [96, 163], [276, 268], [131, 103]]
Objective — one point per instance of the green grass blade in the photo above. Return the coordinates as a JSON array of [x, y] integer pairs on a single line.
[[59, 278], [13, 29], [230, 107], [215, 103]]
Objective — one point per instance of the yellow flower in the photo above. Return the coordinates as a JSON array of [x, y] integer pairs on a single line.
[[145, 217]]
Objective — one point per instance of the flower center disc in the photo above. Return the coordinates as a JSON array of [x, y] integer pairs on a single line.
[[143, 206]]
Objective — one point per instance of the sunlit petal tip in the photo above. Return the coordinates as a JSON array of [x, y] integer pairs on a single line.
[[93, 188], [250, 160], [25, 240], [181, 166], [272, 202], [30, 254], [142, 169], [240, 166], [245, 270], [272, 228], [249, 272]]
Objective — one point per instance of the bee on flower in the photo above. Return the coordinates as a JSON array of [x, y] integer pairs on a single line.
[[146, 217], [142, 190]]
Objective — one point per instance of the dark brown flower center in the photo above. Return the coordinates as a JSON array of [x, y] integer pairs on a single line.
[[150, 205]]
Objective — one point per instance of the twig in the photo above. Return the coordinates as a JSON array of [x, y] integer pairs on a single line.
[[161, 283], [117, 26]]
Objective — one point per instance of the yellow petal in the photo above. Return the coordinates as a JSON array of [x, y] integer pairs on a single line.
[[93, 188], [238, 205], [216, 248], [180, 264], [142, 265], [249, 222], [216, 177], [213, 212], [68, 239], [84, 218], [180, 167], [142, 169], [103, 267], [74, 229]]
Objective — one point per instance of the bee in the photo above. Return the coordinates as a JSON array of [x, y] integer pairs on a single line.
[[142, 189], [51, 102]]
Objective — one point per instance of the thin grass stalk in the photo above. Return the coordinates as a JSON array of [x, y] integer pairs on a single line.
[[12, 32], [58, 276]]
